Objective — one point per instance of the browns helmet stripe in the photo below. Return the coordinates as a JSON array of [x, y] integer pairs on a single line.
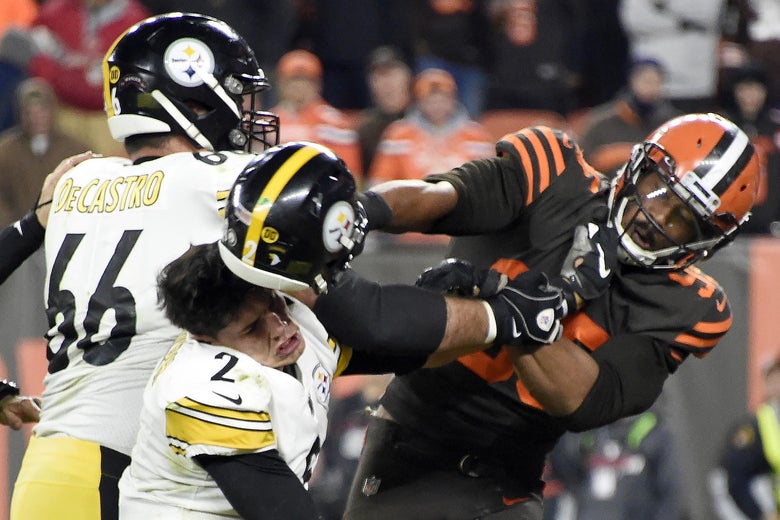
[[725, 161]]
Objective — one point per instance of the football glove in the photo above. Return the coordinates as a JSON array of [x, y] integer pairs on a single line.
[[588, 267], [454, 276], [528, 311]]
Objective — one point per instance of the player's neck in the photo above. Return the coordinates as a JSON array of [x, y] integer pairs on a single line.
[[173, 145]]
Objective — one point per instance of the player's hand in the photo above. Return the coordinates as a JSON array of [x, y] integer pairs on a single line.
[[590, 263], [43, 205], [453, 276], [17, 410], [528, 311]]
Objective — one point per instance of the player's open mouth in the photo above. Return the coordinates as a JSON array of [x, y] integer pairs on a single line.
[[289, 346]]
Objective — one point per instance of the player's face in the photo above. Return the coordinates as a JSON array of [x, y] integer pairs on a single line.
[[656, 202], [265, 331]]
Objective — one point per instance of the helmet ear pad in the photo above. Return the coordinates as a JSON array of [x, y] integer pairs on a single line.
[[293, 217]]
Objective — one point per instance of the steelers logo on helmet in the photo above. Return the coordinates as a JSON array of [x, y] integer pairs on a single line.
[[187, 60], [337, 227]]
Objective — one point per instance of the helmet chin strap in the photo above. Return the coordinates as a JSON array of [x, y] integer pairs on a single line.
[[189, 128]]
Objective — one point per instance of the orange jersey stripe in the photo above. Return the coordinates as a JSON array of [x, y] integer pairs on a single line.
[[718, 327], [490, 369], [696, 342], [544, 165], [525, 158], [510, 267], [555, 147], [582, 329], [526, 397]]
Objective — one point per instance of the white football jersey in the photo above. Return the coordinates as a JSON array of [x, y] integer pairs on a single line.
[[113, 227], [207, 399]]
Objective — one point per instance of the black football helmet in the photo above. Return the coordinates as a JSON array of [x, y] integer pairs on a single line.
[[293, 218], [188, 74]]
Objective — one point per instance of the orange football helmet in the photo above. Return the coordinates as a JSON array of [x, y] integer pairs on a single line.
[[705, 170]]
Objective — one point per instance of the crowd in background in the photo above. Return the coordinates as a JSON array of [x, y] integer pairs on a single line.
[[404, 88], [610, 70]]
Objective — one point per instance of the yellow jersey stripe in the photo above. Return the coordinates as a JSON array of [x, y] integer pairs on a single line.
[[217, 411], [195, 431], [344, 357]]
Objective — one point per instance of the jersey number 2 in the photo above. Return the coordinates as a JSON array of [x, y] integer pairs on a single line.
[[62, 304]]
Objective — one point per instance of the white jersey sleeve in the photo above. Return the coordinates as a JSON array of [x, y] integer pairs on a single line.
[[113, 226]]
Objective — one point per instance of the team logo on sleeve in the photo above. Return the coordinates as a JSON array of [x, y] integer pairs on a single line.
[[321, 380]]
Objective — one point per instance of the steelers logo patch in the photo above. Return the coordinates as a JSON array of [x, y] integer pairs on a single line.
[[321, 379], [186, 59], [339, 222]]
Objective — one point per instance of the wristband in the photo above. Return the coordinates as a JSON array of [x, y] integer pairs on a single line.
[[8, 388], [492, 327], [378, 212]]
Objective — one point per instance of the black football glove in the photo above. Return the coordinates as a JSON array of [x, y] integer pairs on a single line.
[[8, 388], [453, 276], [588, 267], [528, 311]]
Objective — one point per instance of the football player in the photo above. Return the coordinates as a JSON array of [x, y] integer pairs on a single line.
[[182, 91], [235, 414], [469, 439]]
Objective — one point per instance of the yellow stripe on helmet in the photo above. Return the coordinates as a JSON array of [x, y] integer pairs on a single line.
[[271, 192], [108, 80]]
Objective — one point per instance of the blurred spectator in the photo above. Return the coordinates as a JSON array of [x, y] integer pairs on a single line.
[[16, 50], [536, 54], [72, 37], [683, 36], [29, 151], [352, 398], [436, 134], [390, 82], [763, 27], [342, 33], [626, 470], [305, 116], [745, 102], [453, 35], [614, 127], [17, 13], [604, 54], [753, 450], [268, 26]]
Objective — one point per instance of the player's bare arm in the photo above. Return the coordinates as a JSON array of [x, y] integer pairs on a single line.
[[415, 204]]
